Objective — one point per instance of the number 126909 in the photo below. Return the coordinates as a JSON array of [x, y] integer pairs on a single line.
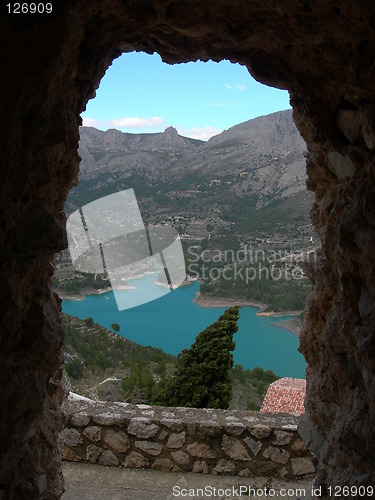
[[29, 8]]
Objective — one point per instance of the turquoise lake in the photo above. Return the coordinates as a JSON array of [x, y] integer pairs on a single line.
[[173, 321]]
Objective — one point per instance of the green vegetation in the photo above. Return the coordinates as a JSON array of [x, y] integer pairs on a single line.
[[115, 327], [141, 386], [89, 322], [74, 369], [257, 377], [277, 217], [101, 348], [202, 378], [274, 279], [93, 353], [279, 295], [250, 387], [78, 281], [88, 191]]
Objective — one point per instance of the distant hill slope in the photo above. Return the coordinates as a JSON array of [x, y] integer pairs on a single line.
[[269, 148], [261, 158]]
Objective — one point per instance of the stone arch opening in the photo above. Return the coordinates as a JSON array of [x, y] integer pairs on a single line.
[[288, 362], [323, 54]]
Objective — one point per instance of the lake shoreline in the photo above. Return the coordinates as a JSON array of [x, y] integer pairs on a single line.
[[292, 324], [172, 323], [82, 293]]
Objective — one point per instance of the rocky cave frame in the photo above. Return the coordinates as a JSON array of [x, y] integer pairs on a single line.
[[323, 53]]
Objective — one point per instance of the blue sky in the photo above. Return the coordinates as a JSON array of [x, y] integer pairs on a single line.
[[139, 93]]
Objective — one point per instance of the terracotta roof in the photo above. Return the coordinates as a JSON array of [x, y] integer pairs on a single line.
[[286, 395]]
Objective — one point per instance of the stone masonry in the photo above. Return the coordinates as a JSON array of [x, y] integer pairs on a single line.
[[230, 442]]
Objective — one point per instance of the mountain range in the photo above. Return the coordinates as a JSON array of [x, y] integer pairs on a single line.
[[262, 157], [254, 171]]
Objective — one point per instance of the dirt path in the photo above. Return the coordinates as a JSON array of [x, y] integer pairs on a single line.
[[95, 482]]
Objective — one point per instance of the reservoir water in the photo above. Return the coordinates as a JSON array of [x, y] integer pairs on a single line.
[[173, 321]]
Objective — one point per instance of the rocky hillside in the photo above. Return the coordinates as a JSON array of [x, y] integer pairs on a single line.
[[261, 158], [121, 154], [267, 152]]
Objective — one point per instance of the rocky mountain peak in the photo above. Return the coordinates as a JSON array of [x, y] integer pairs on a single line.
[[170, 132]]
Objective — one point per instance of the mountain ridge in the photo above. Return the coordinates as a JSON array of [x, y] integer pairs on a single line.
[[262, 158]]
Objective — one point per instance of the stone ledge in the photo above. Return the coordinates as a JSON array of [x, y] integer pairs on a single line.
[[228, 442]]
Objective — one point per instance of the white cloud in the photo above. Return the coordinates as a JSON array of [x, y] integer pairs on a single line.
[[237, 86], [126, 122], [90, 122], [203, 134], [135, 122]]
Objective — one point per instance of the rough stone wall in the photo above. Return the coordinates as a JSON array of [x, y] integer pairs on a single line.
[[338, 339], [182, 439], [323, 52]]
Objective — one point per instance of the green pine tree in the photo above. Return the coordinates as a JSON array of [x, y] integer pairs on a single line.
[[203, 375]]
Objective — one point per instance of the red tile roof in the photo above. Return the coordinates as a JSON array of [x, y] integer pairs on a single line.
[[286, 395]]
